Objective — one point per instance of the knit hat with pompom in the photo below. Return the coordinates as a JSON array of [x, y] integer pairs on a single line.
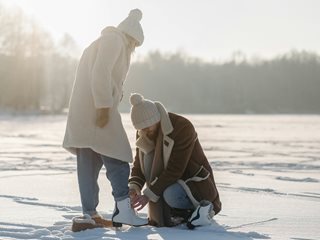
[[131, 26], [144, 113]]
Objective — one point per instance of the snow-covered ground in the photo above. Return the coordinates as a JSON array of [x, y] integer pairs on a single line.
[[267, 170]]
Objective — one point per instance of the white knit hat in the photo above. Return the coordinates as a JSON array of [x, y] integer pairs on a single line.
[[131, 26], [144, 113]]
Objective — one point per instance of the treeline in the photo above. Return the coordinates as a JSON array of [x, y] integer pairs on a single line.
[[286, 84], [36, 74]]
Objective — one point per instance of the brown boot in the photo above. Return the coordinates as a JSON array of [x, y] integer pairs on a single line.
[[102, 221], [83, 223]]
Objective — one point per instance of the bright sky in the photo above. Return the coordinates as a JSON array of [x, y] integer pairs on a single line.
[[207, 29]]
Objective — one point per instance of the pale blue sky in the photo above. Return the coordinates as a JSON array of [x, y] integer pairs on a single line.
[[208, 29]]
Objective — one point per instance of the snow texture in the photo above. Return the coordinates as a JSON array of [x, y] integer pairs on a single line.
[[266, 169]]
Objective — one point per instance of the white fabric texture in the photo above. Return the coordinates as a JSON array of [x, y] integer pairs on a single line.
[[101, 73], [144, 113], [131, 26]]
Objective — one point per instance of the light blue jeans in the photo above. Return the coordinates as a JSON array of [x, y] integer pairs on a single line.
[[89, 164], [176, 197]]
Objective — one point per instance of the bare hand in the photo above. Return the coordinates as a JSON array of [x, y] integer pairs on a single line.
[[132, 193], [139, 201], [102, 117]]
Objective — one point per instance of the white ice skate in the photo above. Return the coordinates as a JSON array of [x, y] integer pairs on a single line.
[[202, 215], [125, 214]]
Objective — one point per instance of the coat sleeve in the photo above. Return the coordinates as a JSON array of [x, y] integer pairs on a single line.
[[137, 179], [101, 85], [184, 140]]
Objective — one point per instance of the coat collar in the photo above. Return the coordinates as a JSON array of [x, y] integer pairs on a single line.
[[166, 125], [115, 30]]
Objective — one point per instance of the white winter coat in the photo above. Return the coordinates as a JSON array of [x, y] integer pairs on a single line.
[[101, 73]]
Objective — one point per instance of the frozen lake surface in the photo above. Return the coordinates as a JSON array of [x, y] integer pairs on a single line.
[[267, 170]]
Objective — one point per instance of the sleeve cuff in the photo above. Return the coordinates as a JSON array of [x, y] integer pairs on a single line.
[[151, 195], [135, 187]]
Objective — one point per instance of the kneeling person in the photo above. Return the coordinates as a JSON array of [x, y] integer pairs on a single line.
[[171, 163]]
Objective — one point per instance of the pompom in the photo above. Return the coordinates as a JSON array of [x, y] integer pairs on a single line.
[[136, 14], [136, 98]]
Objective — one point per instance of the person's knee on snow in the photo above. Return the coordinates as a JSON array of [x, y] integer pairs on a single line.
[[176, 197]]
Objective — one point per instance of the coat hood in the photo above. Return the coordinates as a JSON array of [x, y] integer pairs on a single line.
[[111, 29]]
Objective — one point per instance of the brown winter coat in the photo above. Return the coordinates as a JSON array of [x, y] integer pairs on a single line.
[[178, 158]]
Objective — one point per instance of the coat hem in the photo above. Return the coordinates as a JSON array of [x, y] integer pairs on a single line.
[[72, 149]]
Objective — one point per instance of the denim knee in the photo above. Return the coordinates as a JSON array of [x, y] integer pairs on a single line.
[[176, 197]]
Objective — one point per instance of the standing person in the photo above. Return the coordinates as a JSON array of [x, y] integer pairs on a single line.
[[94, 131], [170, 161]]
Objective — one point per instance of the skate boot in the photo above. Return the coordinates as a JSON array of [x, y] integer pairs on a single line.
[[124, 214], [202, 215]]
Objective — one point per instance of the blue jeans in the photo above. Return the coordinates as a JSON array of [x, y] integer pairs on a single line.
[[176, 197], [89, 164]]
